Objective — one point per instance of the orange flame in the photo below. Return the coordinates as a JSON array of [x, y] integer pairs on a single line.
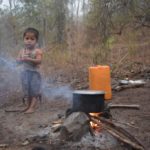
[[95, 126], [95, 114]]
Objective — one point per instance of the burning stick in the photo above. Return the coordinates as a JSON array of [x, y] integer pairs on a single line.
[[124, 140], [119, 133], [93, 124], [124, 123], [56, 127], [121, 130], [57, 122]]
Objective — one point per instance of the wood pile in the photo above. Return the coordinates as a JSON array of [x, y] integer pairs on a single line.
[[109, 125]]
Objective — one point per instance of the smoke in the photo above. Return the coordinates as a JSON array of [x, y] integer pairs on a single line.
[[8, 63], [10, 79], [52, 91]]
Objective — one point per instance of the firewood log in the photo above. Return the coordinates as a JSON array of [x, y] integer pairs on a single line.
[[124, 106], [120, 133]]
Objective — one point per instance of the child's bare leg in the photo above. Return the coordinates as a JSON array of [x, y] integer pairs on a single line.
[[28, 104], [32, 105]]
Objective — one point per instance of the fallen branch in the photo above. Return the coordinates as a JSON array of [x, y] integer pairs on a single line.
[[124, 123], [119, 133], [120, 129], [120, 62], [129, 142], [56, 127], [122, 87], [57, 122], [124, 106], [14, 110], [4, 145]]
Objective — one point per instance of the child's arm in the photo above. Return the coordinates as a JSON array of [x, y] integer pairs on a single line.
[[37, 59], [19, 57]]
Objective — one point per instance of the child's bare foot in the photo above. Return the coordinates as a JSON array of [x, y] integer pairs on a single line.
[[22, 105], [24, 110], [31, 107], [29, 111]]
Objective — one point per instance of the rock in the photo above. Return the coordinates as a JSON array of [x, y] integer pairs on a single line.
[[74, 127], [39, 136], [26, 142]]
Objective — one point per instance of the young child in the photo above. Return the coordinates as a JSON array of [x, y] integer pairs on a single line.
[[30, 57]]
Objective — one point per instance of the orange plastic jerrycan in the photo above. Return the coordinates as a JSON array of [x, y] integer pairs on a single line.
[[99, 79]]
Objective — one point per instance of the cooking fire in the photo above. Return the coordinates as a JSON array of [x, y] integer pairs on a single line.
[[94, 125], [89, 115]]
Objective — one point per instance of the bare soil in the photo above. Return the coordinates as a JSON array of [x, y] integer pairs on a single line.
[[15, 127]]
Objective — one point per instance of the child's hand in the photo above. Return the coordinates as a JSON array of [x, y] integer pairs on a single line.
[[19, 60], [25, 58], [22, 59]]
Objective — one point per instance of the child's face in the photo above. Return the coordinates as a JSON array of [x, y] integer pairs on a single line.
[[29, 40]]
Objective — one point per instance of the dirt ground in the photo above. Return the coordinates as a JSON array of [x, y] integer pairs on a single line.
[[15, 127]]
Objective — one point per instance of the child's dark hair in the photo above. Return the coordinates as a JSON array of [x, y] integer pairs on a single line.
[[32, 30]]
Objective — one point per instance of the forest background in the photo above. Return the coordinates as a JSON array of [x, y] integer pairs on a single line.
[[76, 34]]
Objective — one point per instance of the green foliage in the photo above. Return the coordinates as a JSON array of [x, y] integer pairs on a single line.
[[110, 41]]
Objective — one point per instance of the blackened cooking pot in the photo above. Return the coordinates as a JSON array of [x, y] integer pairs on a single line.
[[88, 101]]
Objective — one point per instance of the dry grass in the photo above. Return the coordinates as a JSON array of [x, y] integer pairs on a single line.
[[125, 54]]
